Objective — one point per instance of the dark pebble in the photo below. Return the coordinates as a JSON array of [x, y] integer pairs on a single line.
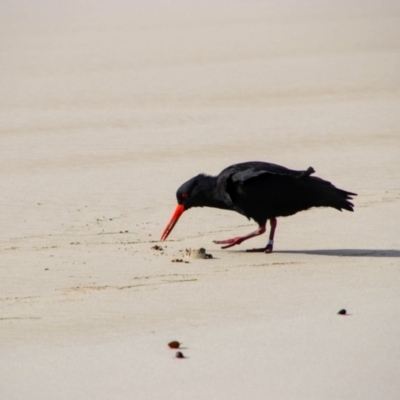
[[342, 312], [179, 355], [174, 345]]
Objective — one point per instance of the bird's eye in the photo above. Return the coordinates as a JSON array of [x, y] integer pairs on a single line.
[[184, 195]]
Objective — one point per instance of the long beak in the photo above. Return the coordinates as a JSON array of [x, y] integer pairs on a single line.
[[174, 219]]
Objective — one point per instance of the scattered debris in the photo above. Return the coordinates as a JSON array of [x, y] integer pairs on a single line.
[[157, 247], [179, 355], [179, 260], [342, 312], [197, 253], [174, 344]]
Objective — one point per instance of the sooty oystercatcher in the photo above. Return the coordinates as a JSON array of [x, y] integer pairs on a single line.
[[260, 191]]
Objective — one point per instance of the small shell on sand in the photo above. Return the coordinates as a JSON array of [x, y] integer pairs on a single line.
[[197, 253]]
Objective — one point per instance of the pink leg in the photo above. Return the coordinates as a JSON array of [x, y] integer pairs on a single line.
[[270, 245], [240, 239]]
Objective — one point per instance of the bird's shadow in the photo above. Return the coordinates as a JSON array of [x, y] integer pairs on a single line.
[[346, 252]]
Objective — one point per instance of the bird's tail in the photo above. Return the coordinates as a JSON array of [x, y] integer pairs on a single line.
[[327, 195]]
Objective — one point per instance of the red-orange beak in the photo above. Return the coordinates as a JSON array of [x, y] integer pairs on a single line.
[[174, 219]]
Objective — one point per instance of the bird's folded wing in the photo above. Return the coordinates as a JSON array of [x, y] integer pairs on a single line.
[[241, 173], [242, 176], [250, 173]]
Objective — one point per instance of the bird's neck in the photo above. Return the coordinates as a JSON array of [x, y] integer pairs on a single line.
[[209, 195]]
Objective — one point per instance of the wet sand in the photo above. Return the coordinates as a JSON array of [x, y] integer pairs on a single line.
[[106, 108]]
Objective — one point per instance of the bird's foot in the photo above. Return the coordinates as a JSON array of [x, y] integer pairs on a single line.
[[229, 242], [267, 249]]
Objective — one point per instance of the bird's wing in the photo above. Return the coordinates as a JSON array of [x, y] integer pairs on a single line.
[[241, 173], [251, 170]]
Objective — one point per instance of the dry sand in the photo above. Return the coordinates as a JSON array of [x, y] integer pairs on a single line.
[[106, 108]]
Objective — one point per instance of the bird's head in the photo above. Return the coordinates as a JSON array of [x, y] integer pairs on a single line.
[[191, 194]]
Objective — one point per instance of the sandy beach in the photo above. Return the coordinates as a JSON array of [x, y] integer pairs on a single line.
[[106, 109]]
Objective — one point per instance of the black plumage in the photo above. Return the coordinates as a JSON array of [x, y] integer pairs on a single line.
[[260, 191]]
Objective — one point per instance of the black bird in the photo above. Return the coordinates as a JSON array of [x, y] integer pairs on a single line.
[[260, 191]]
